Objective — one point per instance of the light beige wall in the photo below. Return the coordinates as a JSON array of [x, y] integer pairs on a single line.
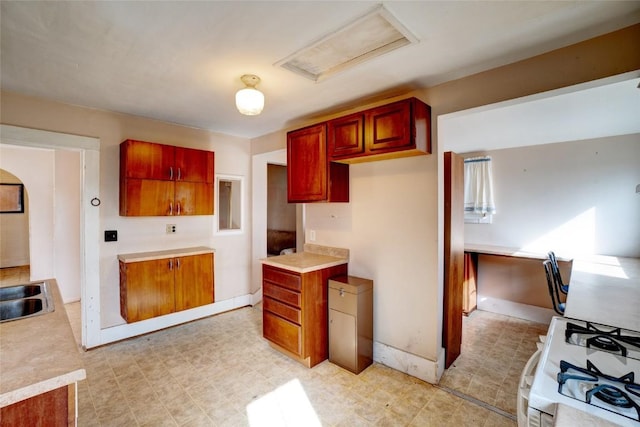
[[143, 234], [280, 214], [393, 221], [14, 230]]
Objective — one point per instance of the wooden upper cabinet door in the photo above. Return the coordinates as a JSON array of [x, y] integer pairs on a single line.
[[345, 136], [147, 197], [146, 160], [150, 289], [194, 281], [194, 165], [193, 198], [389, 127], [307, 164]]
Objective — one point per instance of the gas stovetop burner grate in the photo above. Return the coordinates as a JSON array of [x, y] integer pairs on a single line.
[[620, 395], [601, 337]]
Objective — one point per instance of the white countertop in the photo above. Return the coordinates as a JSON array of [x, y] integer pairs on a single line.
[[39, 353], [605, 290], [507, 251]]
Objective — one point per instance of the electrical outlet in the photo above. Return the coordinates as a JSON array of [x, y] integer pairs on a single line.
[[171, 228], [312, 235], [111, 235]]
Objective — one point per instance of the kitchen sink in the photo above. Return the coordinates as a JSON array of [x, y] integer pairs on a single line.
[[22, 301], [19, 291]]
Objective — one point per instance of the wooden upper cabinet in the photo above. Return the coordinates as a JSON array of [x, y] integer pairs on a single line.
[[389, 127], [194, 165], [163, 180], [346, 136], [310, 176], [147, 160], [399, 129]]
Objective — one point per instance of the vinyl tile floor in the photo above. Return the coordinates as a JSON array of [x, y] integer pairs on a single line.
[[219, 371]]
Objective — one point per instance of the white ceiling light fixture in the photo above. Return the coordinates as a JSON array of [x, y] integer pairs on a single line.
[[250, 101], [369, 36]]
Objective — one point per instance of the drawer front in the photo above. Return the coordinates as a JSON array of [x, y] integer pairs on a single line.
[[346, 303], [282, 332], [282, 310], [281, 294], [282, 278]]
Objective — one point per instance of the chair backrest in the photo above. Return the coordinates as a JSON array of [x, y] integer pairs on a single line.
[[558, 307], [555, 269]]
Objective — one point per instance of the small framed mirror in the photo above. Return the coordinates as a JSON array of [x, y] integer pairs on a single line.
[[230, 215]]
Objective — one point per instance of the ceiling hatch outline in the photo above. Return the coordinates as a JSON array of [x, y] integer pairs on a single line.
[[371, 35]]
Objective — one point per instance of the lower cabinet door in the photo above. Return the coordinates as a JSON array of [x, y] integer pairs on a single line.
[[342, 340], [282, 332], [194, 281], [149, 289]]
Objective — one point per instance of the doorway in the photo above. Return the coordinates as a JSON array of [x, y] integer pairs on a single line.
[[281, 215], [50, 253]]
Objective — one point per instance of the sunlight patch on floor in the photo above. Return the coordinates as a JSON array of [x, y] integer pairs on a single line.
[[288, 405]]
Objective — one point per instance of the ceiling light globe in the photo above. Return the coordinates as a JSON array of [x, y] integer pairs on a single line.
[[249, 101]]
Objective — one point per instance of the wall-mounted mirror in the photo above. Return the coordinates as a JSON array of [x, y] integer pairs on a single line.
[[229, 209]]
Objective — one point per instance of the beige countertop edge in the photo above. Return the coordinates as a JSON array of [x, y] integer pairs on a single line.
[[39, 353], [303, 262], [31, 390], [149, 256]]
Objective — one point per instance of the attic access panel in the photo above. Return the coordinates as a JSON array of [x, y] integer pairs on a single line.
[[369, 36]]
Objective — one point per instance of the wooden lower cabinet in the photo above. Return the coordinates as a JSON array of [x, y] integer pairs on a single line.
[[55, 408], [156, 287], [295, 311]]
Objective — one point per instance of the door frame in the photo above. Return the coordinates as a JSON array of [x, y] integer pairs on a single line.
[[89, 149]]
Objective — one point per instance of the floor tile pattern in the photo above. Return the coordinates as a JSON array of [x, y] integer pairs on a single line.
[[219, 371], [495, 349]]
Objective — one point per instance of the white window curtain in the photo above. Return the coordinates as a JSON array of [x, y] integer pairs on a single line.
[[478, 189]]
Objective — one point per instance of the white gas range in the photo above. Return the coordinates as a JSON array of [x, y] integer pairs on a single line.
[[591, 367]]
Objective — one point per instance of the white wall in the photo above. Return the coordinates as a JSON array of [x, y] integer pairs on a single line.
[[54, 212], [14, 230], [390, 228], [575, 198], [35, 168]]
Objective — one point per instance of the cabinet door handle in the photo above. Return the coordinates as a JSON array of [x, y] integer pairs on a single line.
[[178, 263], [171, 264], [178, 208], [179, 174], [170, 208], [171, 172]]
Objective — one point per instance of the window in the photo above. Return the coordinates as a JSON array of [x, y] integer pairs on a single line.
[[479, 207], [229, 209]]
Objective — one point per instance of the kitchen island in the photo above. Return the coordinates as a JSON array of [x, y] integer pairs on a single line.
[[40, 367], [295, 301]]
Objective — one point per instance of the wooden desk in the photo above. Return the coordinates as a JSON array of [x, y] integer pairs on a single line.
[[508, 279], [606, 290]]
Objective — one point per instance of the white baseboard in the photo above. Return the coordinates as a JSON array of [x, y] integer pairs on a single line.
[[514, 309], [410, 364], [130, 330]]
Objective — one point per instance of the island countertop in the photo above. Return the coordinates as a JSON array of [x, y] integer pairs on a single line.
[[314, 257], [39, 353]]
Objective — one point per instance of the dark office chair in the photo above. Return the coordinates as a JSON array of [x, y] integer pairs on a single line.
[[558, 306], [564, 288]]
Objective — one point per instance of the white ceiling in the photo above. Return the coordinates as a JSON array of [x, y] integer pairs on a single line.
[[181, 61]]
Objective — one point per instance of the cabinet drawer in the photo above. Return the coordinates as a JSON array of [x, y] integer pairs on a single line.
[[282, 310], [281, 294], [346, 303], [282, 332], [282, 278]]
